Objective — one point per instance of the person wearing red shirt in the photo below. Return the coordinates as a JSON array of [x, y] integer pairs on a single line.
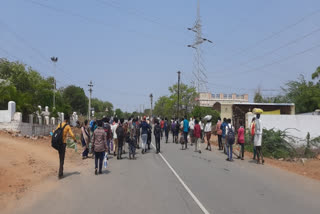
[[162, 127], [219, 133], [197, 136], [241, 141]]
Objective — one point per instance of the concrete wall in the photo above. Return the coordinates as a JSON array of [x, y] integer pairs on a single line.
[[226, 111], [208, 99], [297, 125], [27, 128]]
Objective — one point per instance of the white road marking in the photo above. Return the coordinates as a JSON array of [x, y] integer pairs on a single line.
[[204, 210]]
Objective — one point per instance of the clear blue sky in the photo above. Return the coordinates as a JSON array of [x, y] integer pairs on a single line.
[[131, 48]]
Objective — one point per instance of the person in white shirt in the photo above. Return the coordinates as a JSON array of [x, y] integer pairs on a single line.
[[191, 131], [207, 131], [258, 138], [115, 138], [202, 130], [230, 139]]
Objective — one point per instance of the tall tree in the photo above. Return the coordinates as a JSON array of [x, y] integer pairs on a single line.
[[201, 112], [316, 74], [164, 107], [76, 98], [119, 113], [258, 97], [305, 94], [188, 96], [27, 87], [102, 108]]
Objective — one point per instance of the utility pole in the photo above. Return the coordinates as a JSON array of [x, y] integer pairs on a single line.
[[179, 72], [90, 91], [54, 60], [151, 99]]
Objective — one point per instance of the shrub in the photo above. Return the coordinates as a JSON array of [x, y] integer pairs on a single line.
[[275, 144]]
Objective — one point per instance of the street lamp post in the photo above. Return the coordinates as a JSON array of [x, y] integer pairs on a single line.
[[90, 94], [54, 60], [179, 72], [151, 99]]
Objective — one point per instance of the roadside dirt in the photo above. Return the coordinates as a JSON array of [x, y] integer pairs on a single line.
[[25, 163], [311, 167]]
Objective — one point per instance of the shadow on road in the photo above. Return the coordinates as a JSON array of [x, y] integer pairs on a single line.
[[252, 161], [105, 172], [70, 174]]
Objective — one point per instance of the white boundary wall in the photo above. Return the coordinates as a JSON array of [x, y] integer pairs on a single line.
[[27, 128], [11, 120], [297, 125]]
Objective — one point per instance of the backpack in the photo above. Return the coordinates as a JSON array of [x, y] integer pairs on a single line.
[[181, 139], [173, 127], [57, 137], [120, 132], [231, 135], [91, 123], [93, 127], [137, 128], [107, 129], [157, 130]]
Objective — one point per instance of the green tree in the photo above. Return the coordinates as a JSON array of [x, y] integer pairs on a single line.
[[7, 92], [76, 98], [109, 108], [164, 107], [305, 94], [258, 97], [316, 74], [136, 114], [119, 113], [147, 112], [97, 105], [201, 112], [188, 96], [26, 87]]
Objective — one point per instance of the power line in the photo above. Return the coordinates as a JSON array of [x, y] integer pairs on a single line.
[[273, 50], [85, 18], [139, 14], [15, 57], [276, 62], [257, 43], [244, 89], [35, 50]]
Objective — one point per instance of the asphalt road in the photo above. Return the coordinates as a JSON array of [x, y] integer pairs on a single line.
[[147, 185]]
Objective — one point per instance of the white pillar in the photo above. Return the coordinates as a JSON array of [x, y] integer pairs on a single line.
[[17, 117], [11, 109], [62, 116], [31, 118], [40, 120], [53, 121], [46, 120]]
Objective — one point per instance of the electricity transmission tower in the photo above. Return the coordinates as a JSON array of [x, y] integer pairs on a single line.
[[199, 71]]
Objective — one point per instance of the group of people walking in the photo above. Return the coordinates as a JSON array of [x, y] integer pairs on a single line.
[[196, 131], [110, 136]]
